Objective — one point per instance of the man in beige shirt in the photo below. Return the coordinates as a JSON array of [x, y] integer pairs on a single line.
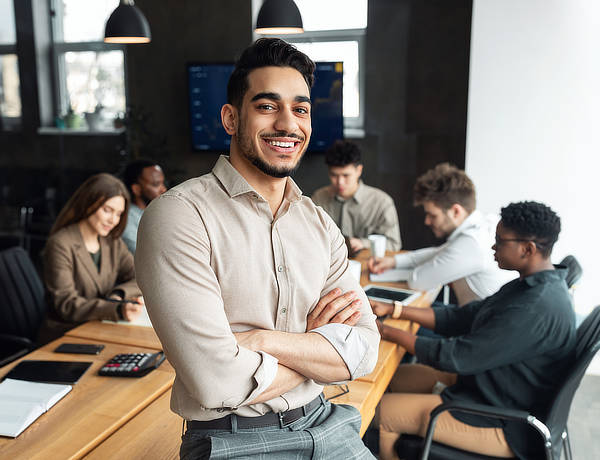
[[247, 284], [357, 209]]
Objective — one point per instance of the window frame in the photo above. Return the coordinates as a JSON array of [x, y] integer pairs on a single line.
[[8, 124], [58, 48], [353, 126]]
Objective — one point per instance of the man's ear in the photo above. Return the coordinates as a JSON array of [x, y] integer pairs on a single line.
[[359, 169], [456, 210], [229, 119], [136, 189]]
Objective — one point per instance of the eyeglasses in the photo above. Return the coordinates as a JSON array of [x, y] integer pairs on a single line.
[[500, 241], [342, 390]]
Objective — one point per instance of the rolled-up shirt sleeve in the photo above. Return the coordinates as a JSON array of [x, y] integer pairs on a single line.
[[184, 302], [349, 343], [357, 345]]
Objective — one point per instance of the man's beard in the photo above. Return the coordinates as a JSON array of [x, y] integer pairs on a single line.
[[145, 199], [249, 152]]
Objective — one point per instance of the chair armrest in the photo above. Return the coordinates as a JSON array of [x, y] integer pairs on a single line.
[[487, 411], [17, 340]]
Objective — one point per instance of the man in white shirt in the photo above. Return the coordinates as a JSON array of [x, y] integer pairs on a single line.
[[465, 260]]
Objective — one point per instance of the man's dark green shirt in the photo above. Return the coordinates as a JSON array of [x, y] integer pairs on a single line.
[[511, 350]]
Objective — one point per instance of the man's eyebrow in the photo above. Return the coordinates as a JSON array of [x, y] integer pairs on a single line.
[[272, 96], [277, 97], [302, 99]]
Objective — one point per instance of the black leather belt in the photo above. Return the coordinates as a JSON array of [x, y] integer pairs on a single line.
[[280, 419]]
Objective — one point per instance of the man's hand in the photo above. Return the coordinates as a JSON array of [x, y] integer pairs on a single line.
[[335, 307], [381, 264], [381, 308], [131, 310], [355, 245]]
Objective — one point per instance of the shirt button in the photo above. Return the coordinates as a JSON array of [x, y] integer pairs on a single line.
[[280, 268], [283, 310]]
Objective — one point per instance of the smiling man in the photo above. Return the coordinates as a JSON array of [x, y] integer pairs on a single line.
[[248, 288], [357, 209]]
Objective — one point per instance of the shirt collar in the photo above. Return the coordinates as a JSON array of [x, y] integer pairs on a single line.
[[545, 276], [235, 184], [358, 196], [136, 210]]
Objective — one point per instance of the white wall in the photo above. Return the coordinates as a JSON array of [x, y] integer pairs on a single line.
[[533, 128]]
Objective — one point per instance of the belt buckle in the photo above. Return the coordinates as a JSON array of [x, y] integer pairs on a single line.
[[282, 422]]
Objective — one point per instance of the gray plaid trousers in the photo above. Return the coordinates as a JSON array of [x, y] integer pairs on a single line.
[[330, 432]]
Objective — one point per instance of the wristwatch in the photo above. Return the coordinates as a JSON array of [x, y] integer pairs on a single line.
[[397, 309]]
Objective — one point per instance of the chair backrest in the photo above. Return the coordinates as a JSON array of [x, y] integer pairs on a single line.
[[574, 270], [22, 303], [588, 343]]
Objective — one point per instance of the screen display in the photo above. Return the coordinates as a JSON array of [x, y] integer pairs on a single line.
[[208, 93]]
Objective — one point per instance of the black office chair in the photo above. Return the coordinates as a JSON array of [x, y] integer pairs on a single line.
[[551, 426], [22, 304], [574, 270]]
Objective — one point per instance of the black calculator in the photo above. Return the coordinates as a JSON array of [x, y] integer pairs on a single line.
[[132, 364]]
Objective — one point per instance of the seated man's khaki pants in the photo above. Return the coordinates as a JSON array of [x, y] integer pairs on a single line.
[[406, 410]]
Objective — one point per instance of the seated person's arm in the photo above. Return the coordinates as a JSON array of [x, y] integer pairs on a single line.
[[408, 259], [424, 316], [66, 301], [126, 272], [447, 321], [454, 260]]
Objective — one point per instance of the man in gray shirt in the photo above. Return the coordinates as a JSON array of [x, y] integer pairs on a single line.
[[248, 286], [357, 209]]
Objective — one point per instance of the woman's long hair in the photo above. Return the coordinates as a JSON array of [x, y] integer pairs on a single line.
[[86, 200]]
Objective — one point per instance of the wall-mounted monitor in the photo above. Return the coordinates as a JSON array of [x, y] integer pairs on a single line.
[[207, 85]]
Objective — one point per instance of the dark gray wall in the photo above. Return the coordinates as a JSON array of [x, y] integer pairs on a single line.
[[416, 101]]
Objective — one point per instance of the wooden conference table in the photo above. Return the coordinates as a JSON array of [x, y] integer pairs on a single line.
[[103, 417]]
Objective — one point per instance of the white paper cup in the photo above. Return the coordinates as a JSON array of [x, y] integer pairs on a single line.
[[377, 245], [355, 269]]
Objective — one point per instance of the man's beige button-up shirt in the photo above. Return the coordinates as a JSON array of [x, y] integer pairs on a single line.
[[368, 211], [211, 260]]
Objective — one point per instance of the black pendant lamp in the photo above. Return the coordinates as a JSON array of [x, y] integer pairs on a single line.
[[279, 17], [127, 24]]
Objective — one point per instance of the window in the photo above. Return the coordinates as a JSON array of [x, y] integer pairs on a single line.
[[10, 97], [334, 31], [90, 74]]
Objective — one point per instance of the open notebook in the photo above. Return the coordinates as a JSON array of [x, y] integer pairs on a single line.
[[22, 402]]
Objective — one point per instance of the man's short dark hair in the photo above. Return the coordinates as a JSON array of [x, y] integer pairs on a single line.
[[343, 153], [134, 169], [532, 220], [445, 185], [266, 52]]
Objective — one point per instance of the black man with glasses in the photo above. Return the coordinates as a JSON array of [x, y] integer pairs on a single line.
[[507, 350]]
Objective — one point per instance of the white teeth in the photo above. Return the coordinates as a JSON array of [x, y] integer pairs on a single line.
[[281, 144]]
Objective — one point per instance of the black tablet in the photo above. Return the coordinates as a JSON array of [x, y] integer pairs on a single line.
[[49, 371], [387, 294]]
